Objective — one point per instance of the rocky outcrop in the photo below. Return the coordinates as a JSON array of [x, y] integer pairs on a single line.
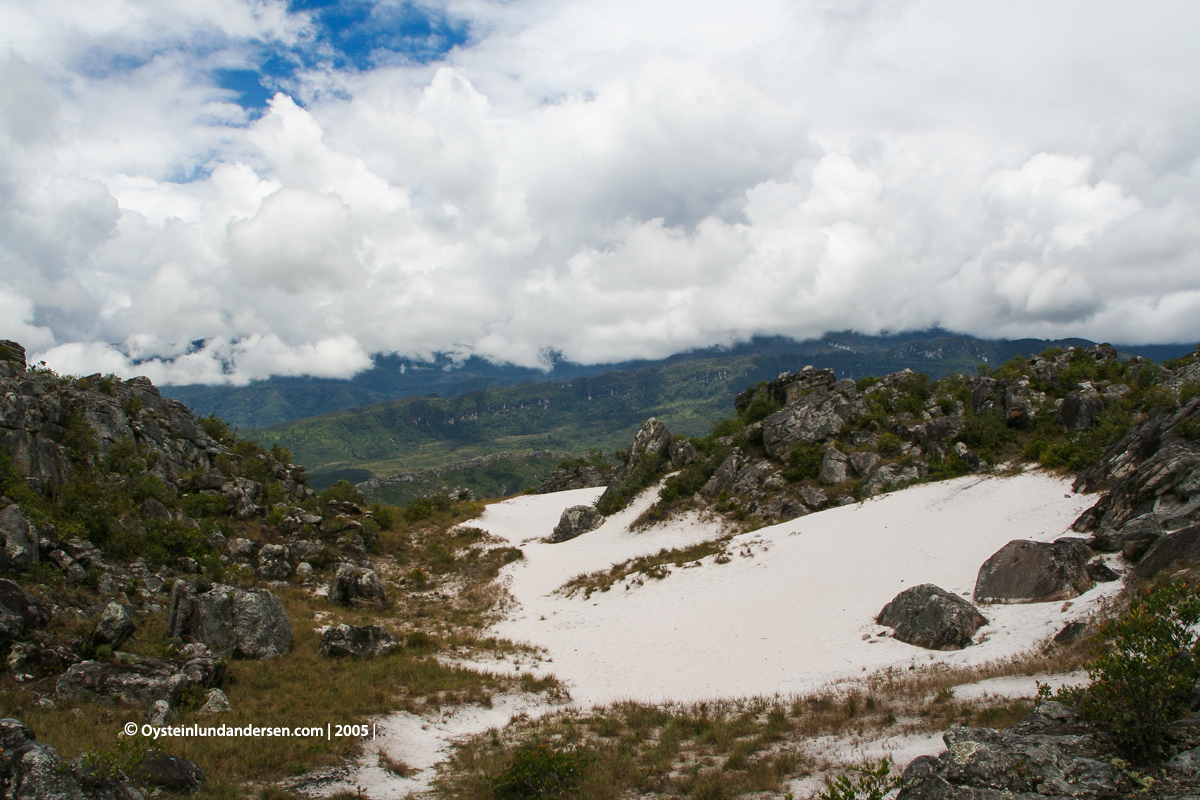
[[355, 640], [814, 417], [788, 387], [138, 685], [231, 622], [835, 467], [575, 521], [18, 541], [273, 562], [930, 617], [1049, 753], [1153, 469], [354, 586], [725, 474], [1080, 410], [650, 447], [20, 611], [30, 770], [1033, 572], [889, 476]]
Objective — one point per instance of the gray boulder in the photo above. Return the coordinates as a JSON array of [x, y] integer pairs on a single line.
[[682, 453], [113, 628], [813, 498], [354, 640], [1173, 549], [862, 463], [1132, 539], [1080, 410], [309, 551], [273, 562], [215, 702], [835, 467], [34, 771], [19, 540], [20, 611], [212, 480], [231, 622], [890, 475], [930, 617], [576, 520], [356, 586], [1033, 572], [725, 475]]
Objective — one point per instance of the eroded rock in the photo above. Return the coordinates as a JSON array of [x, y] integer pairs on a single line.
[[575, 521]]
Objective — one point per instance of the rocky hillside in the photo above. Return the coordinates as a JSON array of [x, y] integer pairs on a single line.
[[807, 440], [142, 553]]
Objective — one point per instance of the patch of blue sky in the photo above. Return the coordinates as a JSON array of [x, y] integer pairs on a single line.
[[365, 34]]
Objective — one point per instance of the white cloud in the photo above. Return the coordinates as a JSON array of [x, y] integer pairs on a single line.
[[610, 182]]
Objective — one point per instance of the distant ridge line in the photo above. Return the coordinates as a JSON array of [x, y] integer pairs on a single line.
[[375, 484]]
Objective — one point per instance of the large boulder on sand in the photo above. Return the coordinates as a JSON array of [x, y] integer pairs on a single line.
[[231, 622], [1033, 572], [930, 617], [576, 520]]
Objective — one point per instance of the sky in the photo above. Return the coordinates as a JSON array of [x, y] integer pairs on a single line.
[[218, 191]]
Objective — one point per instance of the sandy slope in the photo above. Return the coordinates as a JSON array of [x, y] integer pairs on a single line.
[[788, 617], [787, 613]]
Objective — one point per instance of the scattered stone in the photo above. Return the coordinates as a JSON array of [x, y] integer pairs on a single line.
[[930, 617], [1033, 572], [575, 521], [273, 562], [216, 703], [113, 628], [353, 640], [132, 684]]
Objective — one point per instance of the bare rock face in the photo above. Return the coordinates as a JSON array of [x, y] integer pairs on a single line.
[[725, 475], [575, 521], [355, 586], [890, 475], [1080, 410], [814, 417], [231, 622], [1033, 572], [355, 640], [930, 617], [131, 684]]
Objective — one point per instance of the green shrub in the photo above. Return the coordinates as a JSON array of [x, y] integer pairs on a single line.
[[418, 640], [539, 773], [727, 427], [1144, 678], [761, 407], [951, 466], [384, 515], [198, 506], [418, 508], [866, 383], [986, 434], [216, 428], [874, 782], [804, 461], [889, 443], [644, 473], [342, 492]]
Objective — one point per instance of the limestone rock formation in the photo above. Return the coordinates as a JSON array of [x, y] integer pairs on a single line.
[[930, 617]]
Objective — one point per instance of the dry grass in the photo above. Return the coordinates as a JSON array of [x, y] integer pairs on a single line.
[[440, 616], [734, 748]]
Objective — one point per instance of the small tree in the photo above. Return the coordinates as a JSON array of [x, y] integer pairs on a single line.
[[1144, 680]]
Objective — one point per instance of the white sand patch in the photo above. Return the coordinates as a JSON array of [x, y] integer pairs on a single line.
[[792, 616], [788, 614]]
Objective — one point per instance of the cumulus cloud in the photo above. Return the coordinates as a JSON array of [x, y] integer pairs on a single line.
[[606, 183]]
